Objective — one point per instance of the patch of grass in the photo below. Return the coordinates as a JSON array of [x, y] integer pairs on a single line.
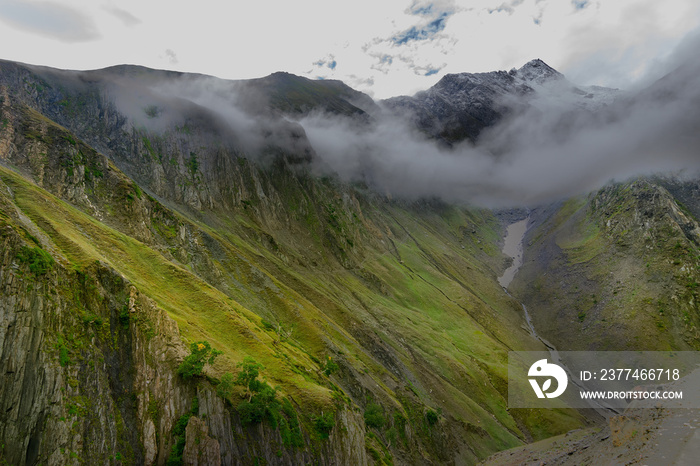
[[374, 416], [193, 164], [124, 318], [323, 424], [39, 261], [330, 367], [63, 357], [432, 417], [200, 310], [290, 429]]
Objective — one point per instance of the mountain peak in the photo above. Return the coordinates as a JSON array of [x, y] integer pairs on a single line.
[[538, 71]]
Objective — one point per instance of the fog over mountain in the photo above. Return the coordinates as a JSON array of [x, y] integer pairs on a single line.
[[552, 147], [494, 139]]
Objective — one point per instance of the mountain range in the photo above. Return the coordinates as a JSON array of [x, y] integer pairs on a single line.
[[188, 279]]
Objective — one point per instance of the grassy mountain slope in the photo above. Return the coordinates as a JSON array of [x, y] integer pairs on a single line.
[[615, 270], [274, 263]]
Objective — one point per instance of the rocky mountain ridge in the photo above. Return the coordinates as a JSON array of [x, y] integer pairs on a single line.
[[460, 106]]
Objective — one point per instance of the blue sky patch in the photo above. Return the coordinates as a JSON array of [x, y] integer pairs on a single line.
[[328, 62], [422, 33]]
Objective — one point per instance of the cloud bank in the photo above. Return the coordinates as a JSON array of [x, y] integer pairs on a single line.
[[547, 152]]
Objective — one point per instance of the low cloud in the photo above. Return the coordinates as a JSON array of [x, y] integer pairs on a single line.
[[547, 152], [218, 112], [171, 56], [551, 149]]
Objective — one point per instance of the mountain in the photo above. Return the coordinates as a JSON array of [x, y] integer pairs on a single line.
[[460, 106], [626, 266], [294, 95], [136, 225], [181, 285]]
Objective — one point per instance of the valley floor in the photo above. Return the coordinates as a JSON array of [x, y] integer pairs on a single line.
[[645, 437]]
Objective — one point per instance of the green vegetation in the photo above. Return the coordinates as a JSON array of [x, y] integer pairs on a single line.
[[618, 251], [330, 367], [290, 429], [226, 386], [404, 293], [150, 149], [201, 353], [323, 424], [248, 375], [124, 318], [431, 416], [346, 262], [151, 111], [39, 261], [262, 405], [175, 458], [374, 416], [423, 302], [397, 430], [63, 357], [262, 400], [193, 164]]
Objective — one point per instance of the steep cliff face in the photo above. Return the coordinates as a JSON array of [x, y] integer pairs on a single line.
[[88, 368], [89, 362], [380, 324]]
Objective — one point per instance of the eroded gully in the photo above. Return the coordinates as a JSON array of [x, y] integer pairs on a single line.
[[513, 248]]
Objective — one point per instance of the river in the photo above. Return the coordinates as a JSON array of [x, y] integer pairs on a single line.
[[513, 248]]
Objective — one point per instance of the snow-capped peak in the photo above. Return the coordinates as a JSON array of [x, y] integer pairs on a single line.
[[537, 71]]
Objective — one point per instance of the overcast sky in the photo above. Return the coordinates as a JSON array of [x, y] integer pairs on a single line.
[[384, 48]]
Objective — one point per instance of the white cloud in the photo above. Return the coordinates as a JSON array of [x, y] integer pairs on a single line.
[[124, 16], [49, 19], [545, 153]]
